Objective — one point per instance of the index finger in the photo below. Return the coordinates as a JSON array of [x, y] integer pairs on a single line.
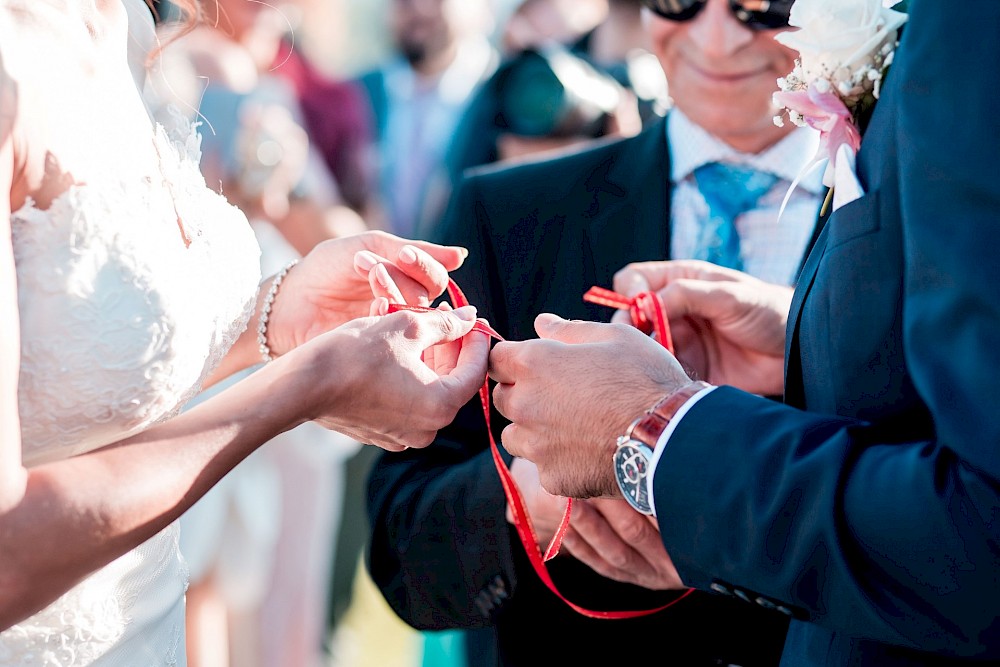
[[424, 269], [449, 256], [656, 275]]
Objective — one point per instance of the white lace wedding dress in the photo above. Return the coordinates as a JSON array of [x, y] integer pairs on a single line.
[[120, 325]]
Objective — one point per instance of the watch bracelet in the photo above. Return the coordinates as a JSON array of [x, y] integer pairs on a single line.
[[648, 428]]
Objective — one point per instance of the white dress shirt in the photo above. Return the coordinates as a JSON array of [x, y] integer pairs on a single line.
[[771, 248]]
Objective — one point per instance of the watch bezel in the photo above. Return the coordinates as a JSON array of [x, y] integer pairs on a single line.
[[631, 477]]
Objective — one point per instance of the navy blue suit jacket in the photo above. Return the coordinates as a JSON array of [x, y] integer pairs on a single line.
[[869, 506]]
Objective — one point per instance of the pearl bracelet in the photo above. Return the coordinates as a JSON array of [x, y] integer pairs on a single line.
[[265, 311]]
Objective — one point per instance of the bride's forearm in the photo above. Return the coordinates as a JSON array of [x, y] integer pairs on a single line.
[[67, 524]]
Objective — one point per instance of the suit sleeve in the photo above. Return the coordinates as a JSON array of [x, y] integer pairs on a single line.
[[859, 527]]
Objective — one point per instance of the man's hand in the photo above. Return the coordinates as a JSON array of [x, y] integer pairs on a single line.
[[571, 393], [619, 543], [727, 327], [545, 509], [606, 534]]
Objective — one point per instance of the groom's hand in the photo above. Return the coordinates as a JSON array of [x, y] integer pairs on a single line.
[[572, 392]]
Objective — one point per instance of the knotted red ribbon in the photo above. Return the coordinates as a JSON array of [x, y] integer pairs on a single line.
[[646, 310], [648, 315]]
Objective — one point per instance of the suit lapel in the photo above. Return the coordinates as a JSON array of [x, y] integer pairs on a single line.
[[631, 203], [814, 239], [793, 370]]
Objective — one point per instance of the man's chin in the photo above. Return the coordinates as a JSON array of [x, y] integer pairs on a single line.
[[414, 54]]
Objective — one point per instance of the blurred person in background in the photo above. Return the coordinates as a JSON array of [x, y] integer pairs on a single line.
[[240, 62], [442, 54], [535, 22], [572, 72], [334, 112], [706, 182], [260, 545]]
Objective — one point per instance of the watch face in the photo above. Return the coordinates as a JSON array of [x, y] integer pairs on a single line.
[[631, 468]]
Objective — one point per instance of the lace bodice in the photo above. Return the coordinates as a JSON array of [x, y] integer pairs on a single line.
[[120, 325], [120, 322]]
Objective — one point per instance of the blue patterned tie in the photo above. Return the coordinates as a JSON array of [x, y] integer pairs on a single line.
[[729, 190]]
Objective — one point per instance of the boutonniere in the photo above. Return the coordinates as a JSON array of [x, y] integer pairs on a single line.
[[845, 49]]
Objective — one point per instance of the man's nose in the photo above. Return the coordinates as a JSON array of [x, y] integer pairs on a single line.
[[716, 31]]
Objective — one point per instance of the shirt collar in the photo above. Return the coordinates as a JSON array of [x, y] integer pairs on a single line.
[[691, 146]]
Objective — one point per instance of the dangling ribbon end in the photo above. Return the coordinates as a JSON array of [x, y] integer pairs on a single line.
[[557, 539]]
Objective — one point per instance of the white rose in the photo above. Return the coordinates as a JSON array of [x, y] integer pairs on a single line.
[[835, 34]]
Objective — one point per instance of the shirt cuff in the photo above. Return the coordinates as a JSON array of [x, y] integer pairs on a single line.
[[661, 444]]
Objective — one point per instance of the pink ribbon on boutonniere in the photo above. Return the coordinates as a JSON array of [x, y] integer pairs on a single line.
[[826, 113]]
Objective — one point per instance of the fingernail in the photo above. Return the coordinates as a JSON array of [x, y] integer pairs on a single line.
[[382, 276], [407, 255], [383, 306], [465, 252], [467, 313], [365, 261], [548, 319]]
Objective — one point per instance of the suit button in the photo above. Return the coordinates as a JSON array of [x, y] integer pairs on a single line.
[[720, 588], [742, 595], [498, 590], [765, 603], [484, 604], [785, 610], [491, 596]]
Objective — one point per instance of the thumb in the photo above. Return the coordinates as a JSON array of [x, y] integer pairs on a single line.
[[553, 327], [444, 326]]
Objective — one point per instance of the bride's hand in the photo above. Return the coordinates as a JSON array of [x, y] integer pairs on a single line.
[[330, 286], [371, 379]]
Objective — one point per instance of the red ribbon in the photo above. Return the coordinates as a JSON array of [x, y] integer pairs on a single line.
[[648, 315], [646, 310]]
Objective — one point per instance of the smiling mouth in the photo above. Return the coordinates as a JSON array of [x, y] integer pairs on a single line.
[[727, 77]]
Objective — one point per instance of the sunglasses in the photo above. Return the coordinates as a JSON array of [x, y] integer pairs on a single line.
[[755, 14]]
